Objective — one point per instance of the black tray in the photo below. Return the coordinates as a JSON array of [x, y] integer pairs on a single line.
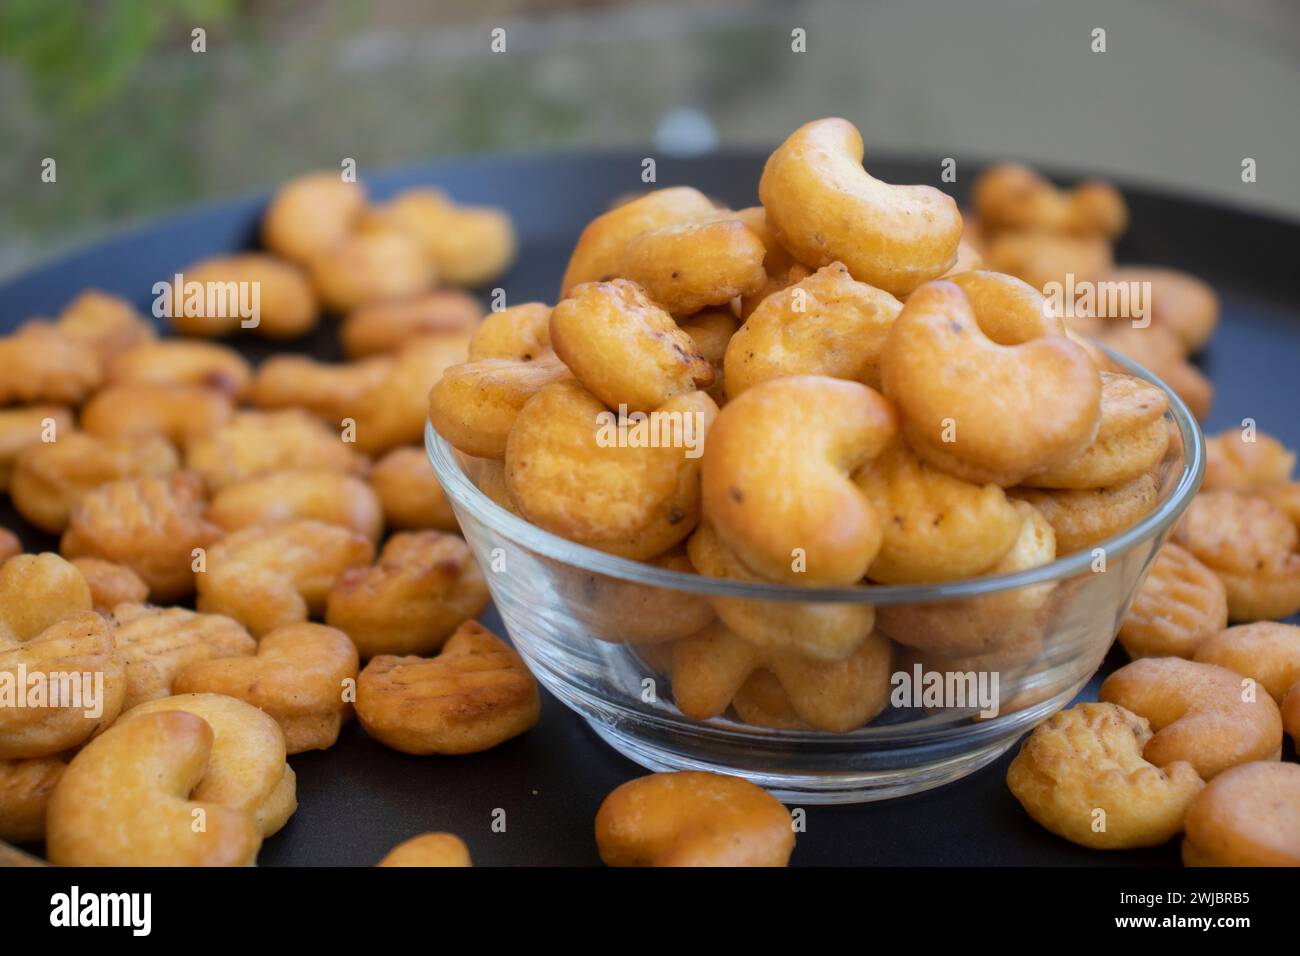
[[359, 799]]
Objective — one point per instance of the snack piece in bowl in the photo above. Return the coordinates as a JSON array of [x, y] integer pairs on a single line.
[[687, 267], [693, 819], [475, 405], [1082, 775], [151, 525], [301, 675], [475, 694], [25, 790], [1161, 352], [1085, 517], [424, 586], [520, 333]]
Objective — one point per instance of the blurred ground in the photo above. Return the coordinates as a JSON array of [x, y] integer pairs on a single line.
[[138, 123]]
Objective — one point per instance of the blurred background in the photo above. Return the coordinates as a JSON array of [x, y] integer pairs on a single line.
[[138, 122]]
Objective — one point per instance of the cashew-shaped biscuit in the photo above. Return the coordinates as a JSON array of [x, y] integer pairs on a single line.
[[42, 364], [1084, 517], [1203, 714], [158, 643], [36, 592], [1247, 816], [936, 527], [408, 492], [379, 264], [180, 413], [270, 576], [182, 362], [246, 766], [469, 245], [624, 348], [1180, 303], [124, 800], [1013, 196], [828, 632], [686, 267], [520, 333], [393, 412], [711, 331], [300, 676], [824, 207], [1234, 463], [25, 790], [286, 305], [329, 496], [22, 427], [1082, 775], [254, 443], [107, 323], [424, 586], [60, 688], [429, 849], [1179, 606], [693, 818], [1253, 547], [1161, 352], [311, 213], [1267, 651], [633, 501], [474, 695], [709, 668], [985, 390], [475, 405], [598, 256], [150, 525], [808, 433], [1132, 438], [329, 390], [111, 584], [383, 327], [827, 324]]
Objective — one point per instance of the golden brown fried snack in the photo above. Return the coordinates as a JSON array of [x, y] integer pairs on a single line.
[[50, 479], [1251, 545], [827, 324], [520, 333], [150, 525], [1086, 517], [329, 390], [687, 267], [386, 326], [1161, 352], [1201, 713], [824, 207], [429, 849], [620, 611], [1132, 438], [987, 387], [180, 413], [256, 443], [624, 348], [475, 405], [709, 668], [693, 819], [935, 527], [598, 256], [468, 245], [1266, 651], [1179, 606], [270, 577], [21, 427], [474, 695], [827, 632], [45, 365], [409, 494], [365, 268], [125, 801], [295, 493], [565, 477], [246, 766], [107, 323], [1042, 259], [1259, 464], [424, 586], [393, 412], [158, 643], [111, 584], [1013, 196], [250, 290], [36, 592], [310, 214], [1178, 302], [66, 684], [1247, 816], [711, 331], [182, 362], [301, 676], [25, 790], [807, 432], [1083, 776]]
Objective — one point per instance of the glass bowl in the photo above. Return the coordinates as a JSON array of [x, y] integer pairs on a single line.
[[591, 627]]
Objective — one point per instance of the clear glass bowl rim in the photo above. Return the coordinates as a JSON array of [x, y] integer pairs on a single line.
[[465, 494]]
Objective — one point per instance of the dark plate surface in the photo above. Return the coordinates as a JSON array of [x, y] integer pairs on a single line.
[[359, 799]]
